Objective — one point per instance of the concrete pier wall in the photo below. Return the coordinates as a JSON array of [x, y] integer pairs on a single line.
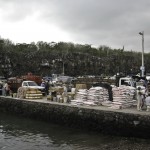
[[99, 119]]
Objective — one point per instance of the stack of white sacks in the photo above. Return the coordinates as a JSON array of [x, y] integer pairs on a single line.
[[80, 97], [123, 97], [98, 95], [92, 97]]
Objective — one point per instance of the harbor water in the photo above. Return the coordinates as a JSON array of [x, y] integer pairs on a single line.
[[26, 134]]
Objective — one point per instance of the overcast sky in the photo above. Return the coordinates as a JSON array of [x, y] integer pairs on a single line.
[[114, 23]]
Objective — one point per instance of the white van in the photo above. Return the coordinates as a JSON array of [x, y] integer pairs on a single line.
[[128, 81]]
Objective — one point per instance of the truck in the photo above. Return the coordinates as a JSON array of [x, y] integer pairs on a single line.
[[16, 82], [33, 85], [129, 81]]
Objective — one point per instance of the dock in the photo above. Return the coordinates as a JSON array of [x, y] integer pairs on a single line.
[[124, 122]]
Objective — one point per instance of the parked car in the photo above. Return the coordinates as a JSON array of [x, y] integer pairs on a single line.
[[34, 85]]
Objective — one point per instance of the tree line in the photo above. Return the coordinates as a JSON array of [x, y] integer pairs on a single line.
[[71, 59]]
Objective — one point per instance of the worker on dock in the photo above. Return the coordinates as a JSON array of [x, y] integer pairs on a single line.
[[139, 99]]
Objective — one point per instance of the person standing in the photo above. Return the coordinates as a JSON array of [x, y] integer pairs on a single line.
[[43, 85], [139, 99], [147, 102], [7, 89], [47, 87], [1, 87]]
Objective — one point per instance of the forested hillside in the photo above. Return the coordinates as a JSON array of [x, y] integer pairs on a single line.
[[44, 59]]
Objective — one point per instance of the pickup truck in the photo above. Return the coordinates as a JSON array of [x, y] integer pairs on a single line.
[[15, 83], [34, 85], [128, 81]]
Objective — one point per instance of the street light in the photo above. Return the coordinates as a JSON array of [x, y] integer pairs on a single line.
[[63, 73], [142, 68]]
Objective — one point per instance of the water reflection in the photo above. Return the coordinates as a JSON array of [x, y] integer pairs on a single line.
[[20, 133]]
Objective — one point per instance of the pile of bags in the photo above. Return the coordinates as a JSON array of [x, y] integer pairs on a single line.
[[92, 97], [123, 97], [29, 93], [98, 95]]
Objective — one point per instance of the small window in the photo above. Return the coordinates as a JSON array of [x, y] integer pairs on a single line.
[[25, 84]]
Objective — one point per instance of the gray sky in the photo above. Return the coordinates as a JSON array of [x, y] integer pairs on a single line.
[[114, 23]]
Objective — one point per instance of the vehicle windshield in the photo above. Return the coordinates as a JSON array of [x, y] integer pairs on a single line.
[[32, 84], [124, 82], [139, 83]]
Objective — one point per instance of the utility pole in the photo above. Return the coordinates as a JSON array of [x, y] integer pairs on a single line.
[[142, 68]]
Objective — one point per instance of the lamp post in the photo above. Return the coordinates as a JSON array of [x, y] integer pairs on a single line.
[[63, 72], [142, 68]]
